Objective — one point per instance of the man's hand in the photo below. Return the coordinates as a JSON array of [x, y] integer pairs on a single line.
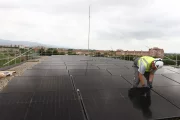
[[150, 85], [151, 77]]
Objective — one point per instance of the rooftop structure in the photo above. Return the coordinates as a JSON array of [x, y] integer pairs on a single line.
[[155, 52], [87, 88]]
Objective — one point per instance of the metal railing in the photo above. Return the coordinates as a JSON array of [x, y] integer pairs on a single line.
[[17, 56]]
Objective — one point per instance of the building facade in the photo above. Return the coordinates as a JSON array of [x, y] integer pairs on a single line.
[[154, 52]]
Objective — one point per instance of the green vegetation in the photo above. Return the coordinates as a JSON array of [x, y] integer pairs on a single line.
[[167, 61], [5, 60], [62, 53], [54, 51], [7, 54], [11, 53], [71, 52]]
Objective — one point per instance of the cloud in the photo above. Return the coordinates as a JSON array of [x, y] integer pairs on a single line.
[[121, 24], [129, 35]]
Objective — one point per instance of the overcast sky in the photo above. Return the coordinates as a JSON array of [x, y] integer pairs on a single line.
[[116, 24]]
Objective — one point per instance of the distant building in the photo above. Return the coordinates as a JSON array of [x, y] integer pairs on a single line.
[[81, 51], [62, 50], [36, 49], [21, 46], [154, 52], [9, 49]]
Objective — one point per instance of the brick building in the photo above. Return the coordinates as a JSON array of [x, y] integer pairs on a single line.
[[36, 49], [80, 51], [155, 52], [62, 50]]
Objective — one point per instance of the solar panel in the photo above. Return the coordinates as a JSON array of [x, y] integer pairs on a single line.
[[48, 91], [170, 92], [100, 82], [174, 77]]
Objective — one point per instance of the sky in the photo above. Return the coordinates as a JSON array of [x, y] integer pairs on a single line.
[[114, 24]]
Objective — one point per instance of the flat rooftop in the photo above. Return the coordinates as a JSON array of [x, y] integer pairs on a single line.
[[87, 88]]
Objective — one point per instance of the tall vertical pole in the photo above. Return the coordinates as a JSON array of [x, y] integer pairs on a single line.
[[176, 60], [89, 30]]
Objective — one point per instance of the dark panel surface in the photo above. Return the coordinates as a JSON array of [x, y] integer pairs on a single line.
[[120, 71], [57, 67], [13, 111], [59, 64], [170, 92], [154, 106], [77, 72], [89, 72], [158, 80], [164, 71], [52, 63], [81, 67], [23, 84], [175, 70], [121, 65], [46, 92], [102, 64], [49, 67], [107, 66], [114, 104], [13, 106], [97, 73], [52, 96], [56, 110], [15, 98], [76, 64], [113, 93], [41, 67], [33, 73], [175, 77], [111, 109], [100, 82], [31, 84], [55, 84], [56, 72]]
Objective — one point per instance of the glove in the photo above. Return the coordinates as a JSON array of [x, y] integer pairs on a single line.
[[150, 85]]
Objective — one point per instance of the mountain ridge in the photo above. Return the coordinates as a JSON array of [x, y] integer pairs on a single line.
[[25, 43]]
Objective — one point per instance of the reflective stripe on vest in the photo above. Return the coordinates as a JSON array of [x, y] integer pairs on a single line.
[[146, 60]]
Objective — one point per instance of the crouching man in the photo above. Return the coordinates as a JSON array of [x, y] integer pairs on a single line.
[[146, 66]]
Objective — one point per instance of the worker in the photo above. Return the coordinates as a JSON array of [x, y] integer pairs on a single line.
[[146, 66]]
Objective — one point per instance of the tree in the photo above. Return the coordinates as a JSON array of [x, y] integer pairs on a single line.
[[98, 54], [48, 52], [42, 51], [70, 51], [55, 52], [62, 53], [105, 54]]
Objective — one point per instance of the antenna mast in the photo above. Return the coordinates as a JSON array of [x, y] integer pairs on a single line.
[[89, 30]]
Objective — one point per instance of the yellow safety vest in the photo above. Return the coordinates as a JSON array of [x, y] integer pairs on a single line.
[[147, 61]]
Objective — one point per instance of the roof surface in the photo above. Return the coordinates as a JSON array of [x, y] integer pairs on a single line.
[[87, 88]]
